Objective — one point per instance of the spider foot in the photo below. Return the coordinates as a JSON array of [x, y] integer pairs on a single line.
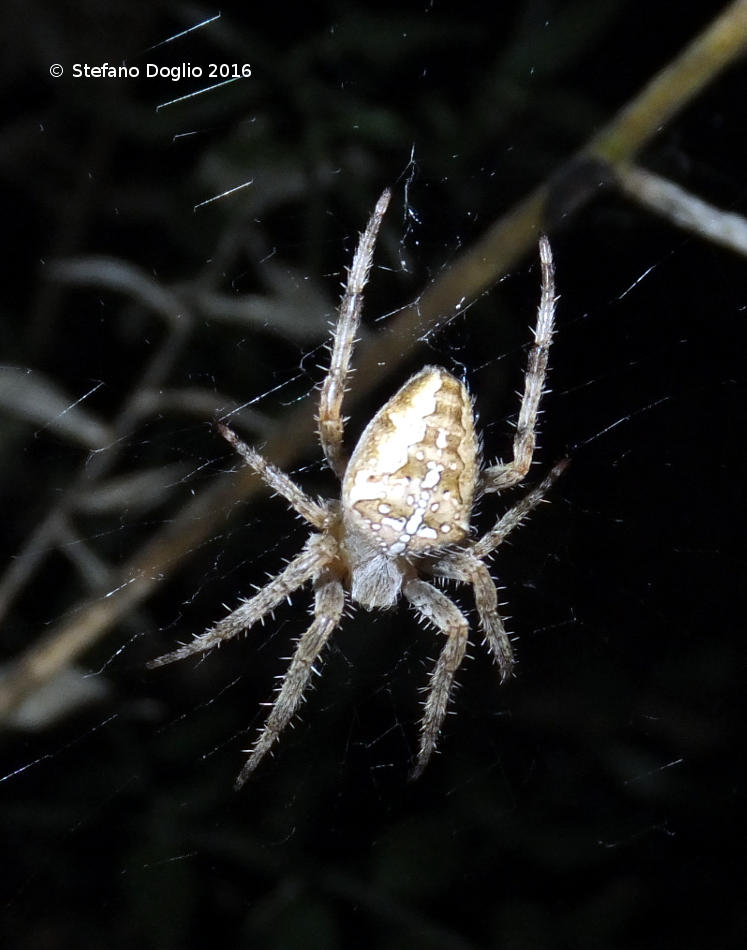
[[250, 765], [424, 757]]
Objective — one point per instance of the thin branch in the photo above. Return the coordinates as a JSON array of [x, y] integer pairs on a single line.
[[684, 209]]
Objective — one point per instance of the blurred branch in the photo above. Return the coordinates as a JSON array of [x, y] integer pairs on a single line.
[[277, 311], [683, 209], [32, 396], [122, 277], [718, 45], [48, 533], [478, 268]]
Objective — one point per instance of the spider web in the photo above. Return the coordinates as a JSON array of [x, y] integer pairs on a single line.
[[174, 284]]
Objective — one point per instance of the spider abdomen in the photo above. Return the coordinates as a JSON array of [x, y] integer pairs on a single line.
[[410, 482]]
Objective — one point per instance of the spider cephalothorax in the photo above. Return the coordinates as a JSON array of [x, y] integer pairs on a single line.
[[403, 514]]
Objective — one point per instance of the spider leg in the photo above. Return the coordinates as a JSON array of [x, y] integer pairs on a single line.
[[279, 482], [331, 422], [328, 607], [435, 606], [465, 567], [516, 514], [318, 552], [502, 476]]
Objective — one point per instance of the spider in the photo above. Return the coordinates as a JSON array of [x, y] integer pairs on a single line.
[[403, 515]]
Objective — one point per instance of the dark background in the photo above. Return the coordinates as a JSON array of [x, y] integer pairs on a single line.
[[597, 800]]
